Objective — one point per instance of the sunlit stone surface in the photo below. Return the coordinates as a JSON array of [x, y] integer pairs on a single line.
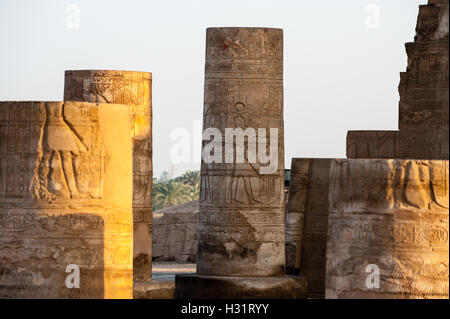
[[424, 97], [65, 199], [133, 89], [241, 218], [423, 134], [393, 214]]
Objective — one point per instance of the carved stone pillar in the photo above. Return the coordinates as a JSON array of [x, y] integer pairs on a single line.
[[65, 200], [133, 89], [388, 229], [241, 219], [307, 221]]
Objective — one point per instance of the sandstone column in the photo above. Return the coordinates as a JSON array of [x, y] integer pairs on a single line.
[[388, 217], [133, 89], [307, 221], [241, 219], [65, 200], [295, 214]]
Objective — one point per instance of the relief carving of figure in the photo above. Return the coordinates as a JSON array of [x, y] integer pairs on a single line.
[[240, 187], [57, 139]]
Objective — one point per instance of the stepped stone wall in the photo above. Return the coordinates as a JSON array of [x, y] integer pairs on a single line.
[[424, 97]]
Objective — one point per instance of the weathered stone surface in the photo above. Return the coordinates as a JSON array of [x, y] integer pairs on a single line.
[[372, 144], [133, 89], [308, 196], [175, 233], [65, 198], [218, 287], [241, 219], [424, 97], [242, 210], [432, 23], [295, 215], [393, 214], [154, 290]]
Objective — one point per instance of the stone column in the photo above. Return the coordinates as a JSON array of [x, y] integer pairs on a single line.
[[65, 200], [241, 219], [133, 89], [388, 229], [295, 214], [307, 221]]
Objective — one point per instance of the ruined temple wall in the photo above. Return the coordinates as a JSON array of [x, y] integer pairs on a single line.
[[388, 218], [175, 236], [424, 97], [65, 199]]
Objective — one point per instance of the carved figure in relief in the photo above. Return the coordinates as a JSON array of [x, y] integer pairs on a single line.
[[212, 116], [428, 192], [240, 186], [405, 273], [246, 184], [57, 139]]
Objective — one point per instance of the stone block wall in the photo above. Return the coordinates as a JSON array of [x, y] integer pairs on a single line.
[[65, 200], [388, 229], [175, 233], [424, 97]]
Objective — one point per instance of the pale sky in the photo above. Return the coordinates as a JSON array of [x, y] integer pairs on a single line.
[[341, 61]]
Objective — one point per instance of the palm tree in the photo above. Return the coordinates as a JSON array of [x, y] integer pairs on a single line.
[[194, 191], [191, 178], [169, 193]]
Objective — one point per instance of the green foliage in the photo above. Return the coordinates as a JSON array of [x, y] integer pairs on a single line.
[[170, 192]]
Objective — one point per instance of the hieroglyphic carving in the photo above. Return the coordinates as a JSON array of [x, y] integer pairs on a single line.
[[129, 88], [241, 224], [61, 201], [372, 144], [424, 97], [63, 161], [58, 167], [133, 89], [394, 214]]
